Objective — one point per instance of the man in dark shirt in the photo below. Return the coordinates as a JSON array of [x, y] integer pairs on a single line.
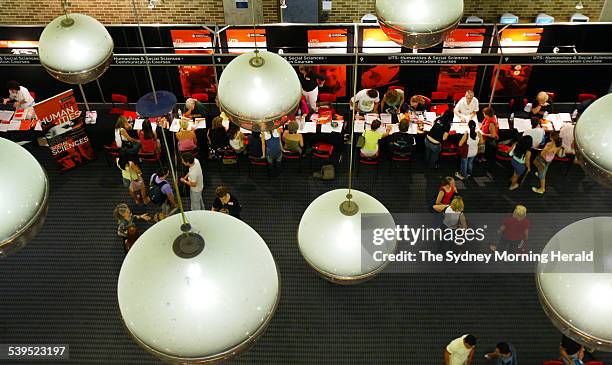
[[402, 142], [194, 109], [226, 203], [570, 350]]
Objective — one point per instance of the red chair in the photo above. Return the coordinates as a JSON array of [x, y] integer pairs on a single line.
[[292, 155], [255, 161], [322, 151], [594, 363], [457, 97], [551, 95], [33, 95], [401, 158], [439, 109], [200, 97], [150, 157], [440, 96], [503, 152], [584, 97], [368, 161], [512, 101], [449, 149], [122, 101], [552, 362], [111, 152]]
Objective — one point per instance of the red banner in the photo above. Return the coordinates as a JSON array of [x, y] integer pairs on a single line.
[[62, 123], [195, 79]]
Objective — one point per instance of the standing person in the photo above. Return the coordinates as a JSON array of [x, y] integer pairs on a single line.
[[434, 138], [273, 151], [194, 109], [294, 142], [366, 101], [416, 104], [20, 96], [445, 194], [148, 138], [392, 101], [543, 160], [256, 145], [467, 107], [372, 136], [514, 230], [490, 134], [541, 106], [572, 353], [226, 203], [521, 160], [460, 351], [469, 152], [536, 133], [125, 222], [195, 180], [310, 86], [132, 178], [504, 353], [122, 138], [161, 192]]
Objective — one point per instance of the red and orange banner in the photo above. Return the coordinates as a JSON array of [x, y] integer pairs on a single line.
[[520, 40], [192, 41], [376, 41], [244, 40], [327, 41], [62, 123], [195, 79], [465, 41]]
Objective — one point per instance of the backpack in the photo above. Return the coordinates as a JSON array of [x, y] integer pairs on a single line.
[[328, 172], [155, 192]]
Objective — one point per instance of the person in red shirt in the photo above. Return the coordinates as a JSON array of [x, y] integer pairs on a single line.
[[148, 138], [514, 230], [490, 133]]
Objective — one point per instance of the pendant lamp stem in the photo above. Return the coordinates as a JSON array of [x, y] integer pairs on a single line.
[[68, 22], [349, 196], [144, 50]]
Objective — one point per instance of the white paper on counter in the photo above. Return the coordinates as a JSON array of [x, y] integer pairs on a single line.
[[175, 126], [4, 126], [327, 128], [385, 118], [309, 127], [503, 123], [565, 117], [370, 117], [138, 124], [359, 126], [245, 131], [200, 123], [430, 116], [521, 124], [6, 115]]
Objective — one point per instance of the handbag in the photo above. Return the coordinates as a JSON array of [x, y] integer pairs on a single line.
[[361, 141]]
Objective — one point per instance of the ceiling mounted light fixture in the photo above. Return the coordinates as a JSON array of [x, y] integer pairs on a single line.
[[24, 195], [418, 24], [579, 5], [593, 136], [576, 296], [75, 48]]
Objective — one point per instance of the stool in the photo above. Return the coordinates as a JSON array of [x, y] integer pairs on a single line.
[[322, 151], [258, 161], [369, 161], [111, 151], [226, 160], [150, 157], [293, 155], [400, 157], [449, 149]]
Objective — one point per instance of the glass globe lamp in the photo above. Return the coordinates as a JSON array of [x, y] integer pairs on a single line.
[[330, 236], [593, 138], [75, 48], [259, 91], [24, 194], [198, 295], [576, 295], [418, 24]]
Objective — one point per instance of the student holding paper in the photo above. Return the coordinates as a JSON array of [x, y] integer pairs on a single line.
[[467, 107], [372, 136]]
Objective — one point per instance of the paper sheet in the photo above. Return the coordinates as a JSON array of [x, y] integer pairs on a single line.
[[503, 123], [19, 114], [14, 125], [413, 128], [556, 121], [565, 117], [200, 123], [138, 124], [175, 126], [225, 123], [427, 126], [394, 128], [245, 131], [4, 126], [6, 115], [430, 116], [385, 118], [521, 124], [327, 128], [309, 127], [359, 126], [460, 128]]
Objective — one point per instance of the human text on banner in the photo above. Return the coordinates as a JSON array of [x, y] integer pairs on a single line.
[[62, 123]]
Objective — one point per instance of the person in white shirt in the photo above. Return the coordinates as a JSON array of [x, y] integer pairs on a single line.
[[566, 133], [366, 101], [467, 107], [195, 180], [460, 351], [536, 132], [20, 95]]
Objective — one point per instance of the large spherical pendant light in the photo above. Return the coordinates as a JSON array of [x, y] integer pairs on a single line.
[[421, 23], [24, 193], [75, 48], [593, 137], [329, 236], [577, 301], [200, 296], [258, 90]]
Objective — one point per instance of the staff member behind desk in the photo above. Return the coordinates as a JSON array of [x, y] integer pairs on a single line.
[[226, 203], [467, 107], [20, 96], [438, 133], [194, 109], [416, 104], [541, 106], [392, 101], [366, 101]]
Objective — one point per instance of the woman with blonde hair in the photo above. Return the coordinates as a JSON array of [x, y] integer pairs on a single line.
[[514, 230], [122, 138], [453, 214], [187, 140], [132, 179]]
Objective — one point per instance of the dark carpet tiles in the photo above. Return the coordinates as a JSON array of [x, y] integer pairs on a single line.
[[62, 287]]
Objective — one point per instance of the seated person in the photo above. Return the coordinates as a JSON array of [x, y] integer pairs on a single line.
[[571, 352], [504, 353], [536, 132], [402, 142], [366, 101], [467, 107], [372, 136], [19, 95], [566, 133], [236, 138], [122, 138], [293, 141], [416, 104], [194, 109], [217, 136], [255, 146], [187, 140], [392, 101], [148, 138], [541, 106]]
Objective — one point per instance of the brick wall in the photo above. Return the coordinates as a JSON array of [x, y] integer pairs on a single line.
[[270, 11], [489, 10]]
